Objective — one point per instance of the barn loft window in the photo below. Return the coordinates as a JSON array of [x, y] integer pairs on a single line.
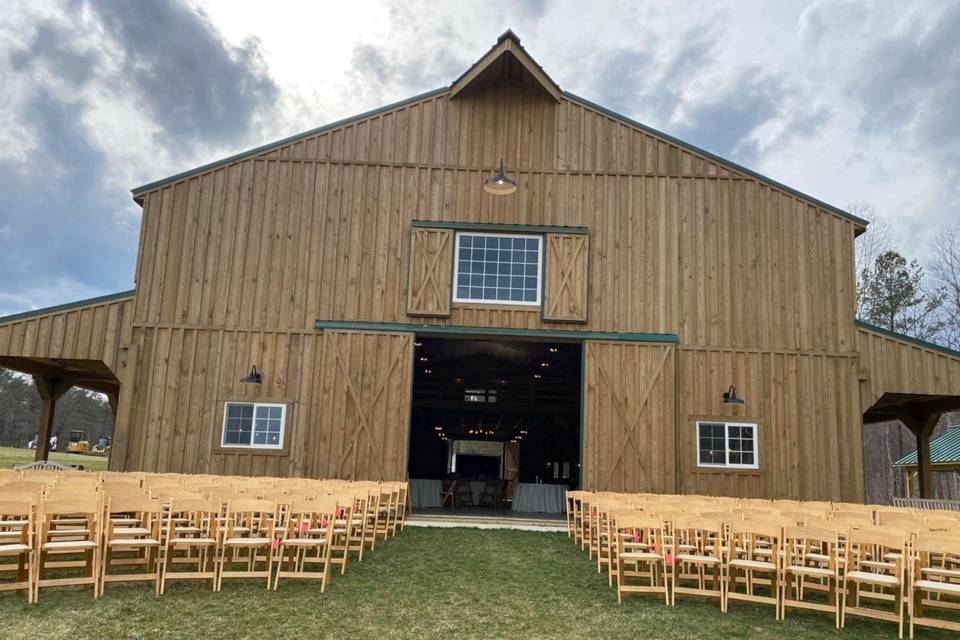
[[727, 444], [253, 425], [497, 268]]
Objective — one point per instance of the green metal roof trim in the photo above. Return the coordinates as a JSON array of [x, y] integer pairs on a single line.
[[110, 297], [294, 138], [667, 338], [714, 157], [943, 450], [899, 336]]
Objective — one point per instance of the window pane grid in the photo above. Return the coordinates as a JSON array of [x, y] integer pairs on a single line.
[[723, 444], [497, 268], [253, 425]]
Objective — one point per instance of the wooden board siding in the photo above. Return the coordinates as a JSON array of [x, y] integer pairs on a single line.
[[320, 228], [809, 423], [184, 377], [431, 271], [892, 365], [89, 332], [628, 417], [566, 277]]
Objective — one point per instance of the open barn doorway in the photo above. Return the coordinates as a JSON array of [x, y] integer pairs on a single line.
[[495, 426]]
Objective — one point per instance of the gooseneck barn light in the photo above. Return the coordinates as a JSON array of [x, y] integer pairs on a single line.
[[499, 184], [730, 396], [254, 377]]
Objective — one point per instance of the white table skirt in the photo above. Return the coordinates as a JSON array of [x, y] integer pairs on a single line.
[[426, 493], [540, 498], [476, 490]]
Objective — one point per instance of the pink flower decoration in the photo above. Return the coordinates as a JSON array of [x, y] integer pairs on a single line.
[[669, 558], [323, 522], [304, 527], [636, 537], [339, 513], [276, 543]]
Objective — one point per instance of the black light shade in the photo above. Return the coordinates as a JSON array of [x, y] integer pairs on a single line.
[[254, 377], [499, 184], [730, 396]]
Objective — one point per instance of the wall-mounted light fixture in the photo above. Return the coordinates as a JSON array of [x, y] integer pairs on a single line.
[[254, 377], [499, 184], [730, 396]]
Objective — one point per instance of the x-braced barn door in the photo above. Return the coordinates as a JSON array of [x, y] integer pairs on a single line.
[[364, 407], [628, 442]]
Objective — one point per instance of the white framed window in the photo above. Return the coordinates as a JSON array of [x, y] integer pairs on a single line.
[[727, 444], [498, 268], [253, 425]]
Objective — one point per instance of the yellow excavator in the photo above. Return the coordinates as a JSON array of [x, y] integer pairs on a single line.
[[78, 442]]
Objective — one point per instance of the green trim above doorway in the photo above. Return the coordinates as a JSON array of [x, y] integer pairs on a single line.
[[437, 329]]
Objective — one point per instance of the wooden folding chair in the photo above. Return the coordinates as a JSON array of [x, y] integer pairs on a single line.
[[191, 532], [935, 581], [306, 542], [696, 558], [347, 536], [19, 528], [874, 571], [638, 554], [810, 554], [247, 539], [754, 548], [80, 540], [133, 539]]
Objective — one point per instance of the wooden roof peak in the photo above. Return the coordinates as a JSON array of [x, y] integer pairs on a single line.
[[508, 44]]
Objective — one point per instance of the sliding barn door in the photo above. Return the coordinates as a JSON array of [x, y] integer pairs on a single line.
[[628, 413], [431, 272], [363, 412]]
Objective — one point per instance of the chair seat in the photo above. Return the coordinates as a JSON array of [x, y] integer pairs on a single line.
[[17, 548], [641, 555], [935, 585], [752, 564], [820, 557], [304, 541], [878, 565], [813, 571], [131, 531], [12, 523], [67, 531], [133, 542], [940, 571], [188, 541], [240, 542], [71, 544], [690, 557], [876, 578]]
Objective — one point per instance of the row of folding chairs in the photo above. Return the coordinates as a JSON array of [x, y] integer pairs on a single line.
[[846, 562], [92, 531]]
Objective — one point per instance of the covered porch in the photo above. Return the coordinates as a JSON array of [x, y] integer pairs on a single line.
[[911, 381], [72, 345]]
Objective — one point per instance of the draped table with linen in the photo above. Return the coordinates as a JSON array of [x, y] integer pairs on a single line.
[[539, 498]]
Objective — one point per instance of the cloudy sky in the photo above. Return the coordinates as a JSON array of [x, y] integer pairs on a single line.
[[848, 101]]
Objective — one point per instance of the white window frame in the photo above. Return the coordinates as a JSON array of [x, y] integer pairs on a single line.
[[726, 444], [253, 427], [456, 268]]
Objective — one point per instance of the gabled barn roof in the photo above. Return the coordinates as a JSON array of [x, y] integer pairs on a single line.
[[507, 47]]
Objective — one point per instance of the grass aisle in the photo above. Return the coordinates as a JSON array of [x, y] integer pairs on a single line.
[[427, 583]]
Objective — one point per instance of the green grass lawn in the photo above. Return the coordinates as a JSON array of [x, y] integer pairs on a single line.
[[10, 456], [426, 583]]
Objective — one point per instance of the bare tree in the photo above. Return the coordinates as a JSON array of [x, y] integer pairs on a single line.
[[944, 270], [878, 239]]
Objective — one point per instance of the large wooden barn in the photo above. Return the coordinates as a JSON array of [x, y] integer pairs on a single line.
[[403, 313]]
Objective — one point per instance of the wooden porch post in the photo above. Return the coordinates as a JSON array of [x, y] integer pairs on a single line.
[[923, 455], [50, 390]]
